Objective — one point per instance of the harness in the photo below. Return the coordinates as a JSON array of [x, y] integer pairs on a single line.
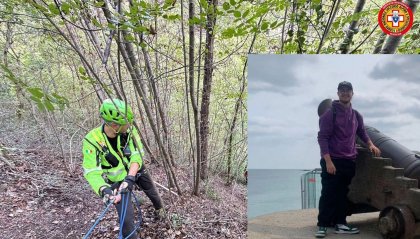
[[104, 150]]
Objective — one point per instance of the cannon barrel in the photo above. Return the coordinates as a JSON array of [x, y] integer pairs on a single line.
[[401, 156]]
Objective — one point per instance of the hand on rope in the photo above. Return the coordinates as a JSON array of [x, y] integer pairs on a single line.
[[109, 196], [112, 197], [127, 184]]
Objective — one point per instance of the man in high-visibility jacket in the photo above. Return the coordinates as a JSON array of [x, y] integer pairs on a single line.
[[112, 160]]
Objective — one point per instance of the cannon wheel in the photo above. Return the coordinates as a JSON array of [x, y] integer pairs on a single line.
[[396, 222]]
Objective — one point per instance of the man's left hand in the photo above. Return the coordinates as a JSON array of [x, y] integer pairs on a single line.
[[376, 152], [127, 183]]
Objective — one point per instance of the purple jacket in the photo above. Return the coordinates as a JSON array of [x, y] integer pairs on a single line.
[[339, 139]]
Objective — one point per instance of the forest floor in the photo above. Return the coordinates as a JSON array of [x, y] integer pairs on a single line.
[[42, 198]]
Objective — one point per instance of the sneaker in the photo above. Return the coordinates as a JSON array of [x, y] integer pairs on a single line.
[[345, 229], [321, 233]]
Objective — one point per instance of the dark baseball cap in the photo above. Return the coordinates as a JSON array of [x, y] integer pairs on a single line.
[[345, 84]]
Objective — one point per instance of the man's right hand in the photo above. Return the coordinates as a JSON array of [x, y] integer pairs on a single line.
[[116, 198], [108, 196], [330, 165]]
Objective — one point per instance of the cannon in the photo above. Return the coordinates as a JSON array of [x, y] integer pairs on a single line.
[[389, 184]]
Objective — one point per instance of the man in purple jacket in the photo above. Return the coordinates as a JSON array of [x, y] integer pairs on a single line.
[[338, 128]]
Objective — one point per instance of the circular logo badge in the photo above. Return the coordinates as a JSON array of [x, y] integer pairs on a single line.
[[395, 18]]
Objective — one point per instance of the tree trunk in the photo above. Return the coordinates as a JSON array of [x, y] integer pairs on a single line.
[[344, 47], [379, 43], [196, 166], [127, 51], [19, 90], [207, 83], [333, 12], [8, 42]]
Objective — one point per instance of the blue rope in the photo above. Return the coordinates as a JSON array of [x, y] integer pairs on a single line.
[[98, 220], [124, 199], [124, 202], [140, 217]]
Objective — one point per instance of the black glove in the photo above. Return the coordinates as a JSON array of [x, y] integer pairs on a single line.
[[130, 180], [106, 194]]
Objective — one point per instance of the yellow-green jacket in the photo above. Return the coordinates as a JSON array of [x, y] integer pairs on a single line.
[[97, 168]]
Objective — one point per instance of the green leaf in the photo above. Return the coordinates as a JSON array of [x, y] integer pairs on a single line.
[[65, 7], [245, 14], [82, 70], [41, 106], [95, 22], [48, 105], [36, 92], [232, 2], [111, 26], [228, 33], [133, 10], [174, 17], [264, 26], [60, 99], [140, 29], [99, 4], [195, 20], [226, 6], [233, 95], [143, 44], [35, 99], [129, 38], [237, 14], [273, 24], [241, 32], [40, 7], [53, 9], [204, 4], [336, 24]]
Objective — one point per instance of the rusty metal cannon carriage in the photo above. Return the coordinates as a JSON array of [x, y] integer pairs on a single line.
[[389, 184]]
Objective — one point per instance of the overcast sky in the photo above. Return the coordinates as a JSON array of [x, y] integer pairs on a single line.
[[285, 91]]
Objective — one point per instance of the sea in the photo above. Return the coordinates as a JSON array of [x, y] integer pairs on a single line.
[[274, 190]]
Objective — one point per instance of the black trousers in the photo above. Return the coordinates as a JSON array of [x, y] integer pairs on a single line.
[[333, 202], [145, 182]]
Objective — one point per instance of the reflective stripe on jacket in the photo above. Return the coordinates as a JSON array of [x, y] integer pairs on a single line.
[[96, 168]]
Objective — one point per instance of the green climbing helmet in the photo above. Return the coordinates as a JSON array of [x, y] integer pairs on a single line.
[[114, 111]]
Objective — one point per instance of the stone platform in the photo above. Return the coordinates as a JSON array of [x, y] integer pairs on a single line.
[[301, 224]]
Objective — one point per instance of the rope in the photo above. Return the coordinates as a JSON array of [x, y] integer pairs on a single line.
[[98, 220], [124, 199], [140, 217]]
